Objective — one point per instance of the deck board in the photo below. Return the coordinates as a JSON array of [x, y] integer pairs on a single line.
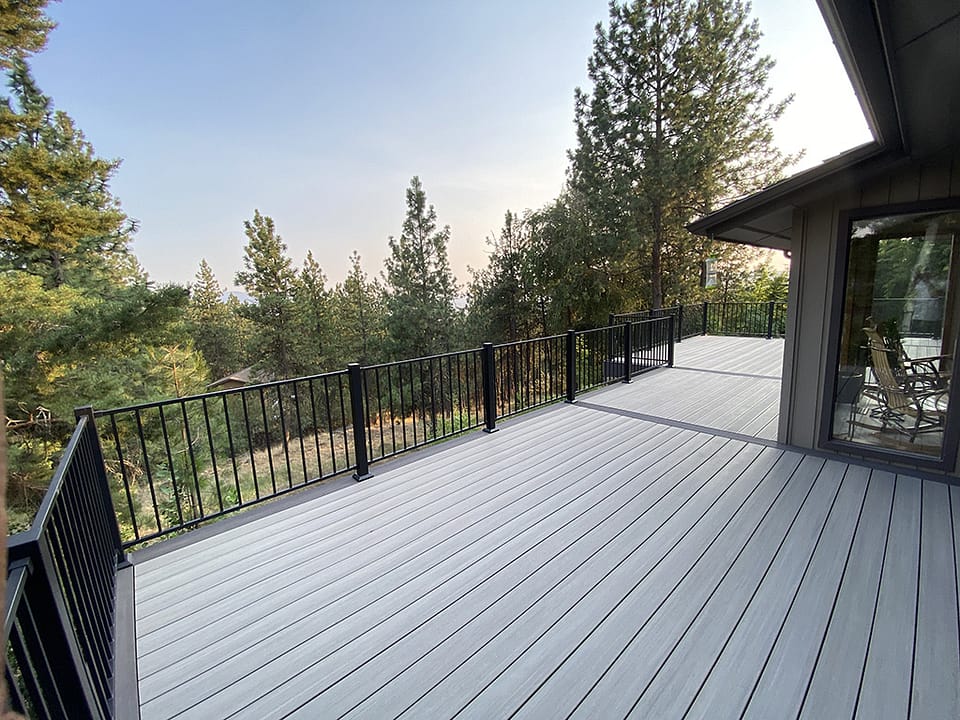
[[890, 654], [586, 561], [831, 694]]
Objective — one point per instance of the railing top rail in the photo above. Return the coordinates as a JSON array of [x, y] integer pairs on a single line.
[[17, 574], [18, 545], [529, 341], [649, 310], [393, 363], [218, 393], [615, 326]]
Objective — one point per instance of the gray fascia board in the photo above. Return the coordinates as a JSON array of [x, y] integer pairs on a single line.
[[858, 35], [842, 170]]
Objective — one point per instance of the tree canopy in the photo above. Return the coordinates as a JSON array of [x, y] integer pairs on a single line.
[[678, 119]]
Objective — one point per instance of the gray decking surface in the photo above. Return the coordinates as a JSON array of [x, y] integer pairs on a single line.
[[582, 562]]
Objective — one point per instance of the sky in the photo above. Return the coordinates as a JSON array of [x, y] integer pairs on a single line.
[[318, 114]]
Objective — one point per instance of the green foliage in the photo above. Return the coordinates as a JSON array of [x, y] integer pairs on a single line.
[[23, 29], [421, 317], [216, 327], [503, 298], [56, 211], [359, 316], [268, 276], [314, 338], [679, 118]]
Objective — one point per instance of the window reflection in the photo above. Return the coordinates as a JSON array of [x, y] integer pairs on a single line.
[[894, 372]]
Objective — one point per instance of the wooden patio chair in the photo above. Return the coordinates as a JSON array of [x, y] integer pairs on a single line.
[[905, 401], [923, 370]]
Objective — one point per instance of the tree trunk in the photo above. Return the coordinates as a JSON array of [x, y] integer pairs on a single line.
[[656, 267]]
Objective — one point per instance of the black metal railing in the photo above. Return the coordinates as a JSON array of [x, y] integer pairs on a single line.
[[411, 403], [688, 319], [178, 463], [61, 589], [617, 353], [530, 374], [745, 319]]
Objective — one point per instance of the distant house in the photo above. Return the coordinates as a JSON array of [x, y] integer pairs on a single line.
[[241, 378], [874, 236]]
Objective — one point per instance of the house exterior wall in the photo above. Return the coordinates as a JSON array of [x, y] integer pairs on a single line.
[[816, 245]]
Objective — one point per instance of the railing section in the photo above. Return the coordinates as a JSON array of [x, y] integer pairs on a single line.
[[61, 587], [745, 319], [180, 462], [529, 374], [617, 353], [414, 402]]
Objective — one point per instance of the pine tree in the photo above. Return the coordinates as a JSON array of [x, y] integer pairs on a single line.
[[502, 296], [359, 311], [56, 211], [420, 285], [679, 119], [315, 336], [214, 326], [268, 276]]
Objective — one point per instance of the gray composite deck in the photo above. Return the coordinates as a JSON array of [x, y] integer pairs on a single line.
[[583, 562]]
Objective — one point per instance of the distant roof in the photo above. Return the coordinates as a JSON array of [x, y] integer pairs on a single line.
[[765, 218], [240, 377]]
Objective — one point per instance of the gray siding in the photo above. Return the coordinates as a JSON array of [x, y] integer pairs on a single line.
[[815, 247]]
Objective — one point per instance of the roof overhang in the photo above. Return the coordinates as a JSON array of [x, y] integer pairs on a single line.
[[903, 60], [765, 219]]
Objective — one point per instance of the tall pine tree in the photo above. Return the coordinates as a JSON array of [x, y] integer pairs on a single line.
[[315, 337], [678, 119], [269, 278], [215, 325], [421, 317], [359, 316]]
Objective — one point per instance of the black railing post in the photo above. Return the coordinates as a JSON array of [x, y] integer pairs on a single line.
[[670, 345], [355, 377], [489, 371], [679, 323], [611, 319], [770, 320], [571, 349], [627, 351], [706, 305]]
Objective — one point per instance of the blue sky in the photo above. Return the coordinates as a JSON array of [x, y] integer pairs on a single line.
[[319, 113]]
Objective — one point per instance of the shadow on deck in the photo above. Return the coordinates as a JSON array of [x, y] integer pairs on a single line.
[[645, 552]]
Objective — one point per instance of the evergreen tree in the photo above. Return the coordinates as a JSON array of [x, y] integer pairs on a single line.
[[679, 118], [359, 311], [420, 285], [315, 337], [79, 321], [502, 296], [56, 211], [24, 27], [269, 278], [214, 325]]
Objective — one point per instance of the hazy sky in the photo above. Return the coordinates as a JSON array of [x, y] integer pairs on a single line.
[[319, 113]]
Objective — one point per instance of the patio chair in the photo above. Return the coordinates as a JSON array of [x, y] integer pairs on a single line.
[[923, 370], [906, 401]]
